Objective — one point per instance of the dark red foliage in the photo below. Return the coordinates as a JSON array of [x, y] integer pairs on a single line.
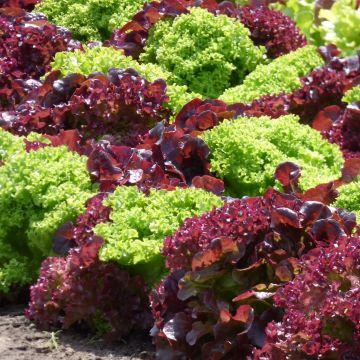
[[344, 129], [28, 43], [112, 166], [225, 267], [23, 4], [121, 105], [323, 87], [82, 290], [278, 33], [13, 91], [322, 307], [68, 235], [180, 154], [200, 115], [79, 289], [288, 174], [272, 29], [167, 158]]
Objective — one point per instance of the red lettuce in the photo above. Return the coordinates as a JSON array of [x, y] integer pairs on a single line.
[[112, 166], [276, 32], [167, 158], [23, 4], [13, 91], [28, 43], [200, 115], [322, 307], [341, 127], [121, 105], [225, 268], [79, 289]]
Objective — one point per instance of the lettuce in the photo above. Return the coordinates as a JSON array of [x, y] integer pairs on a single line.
[[349, 197], [90, 19], [120, 105], [245, 152], [102, 59], [207, 53], [321, 306], [42, 189], [340, 25], [226, 265], [22, 33], [138, 224], [352, 95], [335, 23], [281, 75]]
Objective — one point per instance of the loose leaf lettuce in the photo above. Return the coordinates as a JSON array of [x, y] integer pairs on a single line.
[[321, 306], [207, 53], [281, 75], [102, 59], [246, 151], [120, 105], [139, 223], [226, 266], [349, 197], [352, 95], [42, 189], [90, 19], [326, 22]]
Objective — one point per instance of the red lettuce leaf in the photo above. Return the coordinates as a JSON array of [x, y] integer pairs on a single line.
[[121, 106], [225, 267]]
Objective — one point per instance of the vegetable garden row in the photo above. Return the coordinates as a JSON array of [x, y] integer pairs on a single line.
[[188, 168]]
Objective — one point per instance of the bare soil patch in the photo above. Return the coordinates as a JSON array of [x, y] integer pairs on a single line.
[[20, 340]]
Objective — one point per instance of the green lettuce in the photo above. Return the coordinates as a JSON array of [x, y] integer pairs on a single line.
[[281, 75], [139, 224], [352, 95], [245, 153], [349, 197], [90, 20], [205, 52], [338, 25], [39, 190]]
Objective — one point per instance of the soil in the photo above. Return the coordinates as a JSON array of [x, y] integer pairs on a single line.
[[20, 340]]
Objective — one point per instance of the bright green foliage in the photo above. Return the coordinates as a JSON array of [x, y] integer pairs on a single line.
[[140, 223], [339, 25], [207, 53], [281, 75], [90, 19], [245, 153], [39, 191], [102, 59], [9, 145], [349, 198], [17, 270], [352, 95]]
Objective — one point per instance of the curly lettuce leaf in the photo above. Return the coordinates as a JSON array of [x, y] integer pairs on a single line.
[[139, 224]]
